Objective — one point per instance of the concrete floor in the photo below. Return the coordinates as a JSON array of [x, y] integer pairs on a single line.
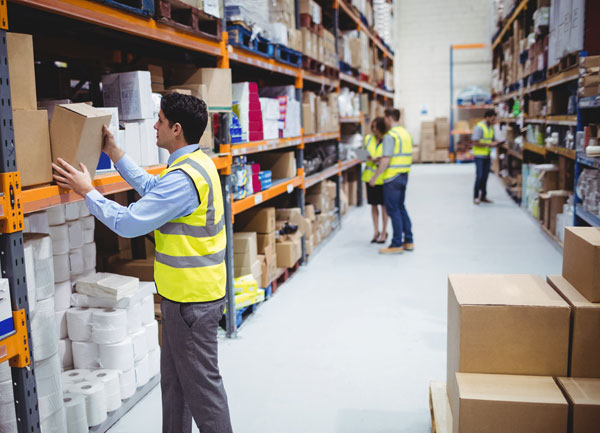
[[349, 344]]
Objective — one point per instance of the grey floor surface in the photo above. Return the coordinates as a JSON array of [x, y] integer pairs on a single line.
[[349, 344]]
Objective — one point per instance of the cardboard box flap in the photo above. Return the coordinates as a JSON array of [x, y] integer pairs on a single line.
[[515, 290], [86, 110], [589, 234], [570, 293], [581, 391]]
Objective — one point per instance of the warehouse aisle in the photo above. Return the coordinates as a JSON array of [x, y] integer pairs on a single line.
[[349, 344]]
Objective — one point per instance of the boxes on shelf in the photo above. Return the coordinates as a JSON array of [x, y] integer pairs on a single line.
[[553, 202], [131, 92], [21, 69], [428, 143], [247, 107], [289, 251], [281, 164], [32, 137], [442, 133], [581, 260], [583, 395], [217, 81], [256, 220]]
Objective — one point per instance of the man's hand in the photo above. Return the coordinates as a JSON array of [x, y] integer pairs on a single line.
[[372, 181], [110, 145], [68, 176]]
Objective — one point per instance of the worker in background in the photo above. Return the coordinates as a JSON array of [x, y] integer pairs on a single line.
[[483, 141], [374, 146], [394, 166], [184, 207]]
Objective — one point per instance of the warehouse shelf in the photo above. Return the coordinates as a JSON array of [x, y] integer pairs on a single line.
[[323, 136], [588, 161], [313, 179], [563, 77], [473, 107], [568, 153], [569, 120], [349, 79], [515, 153], [242, 56], [279, 187], [536, 148], [552, 236], [590, 102], [351, 119], [462, 132], [264, 145], [538, 120], [508, 24], [319, 79], [589, 218], [346, 165]]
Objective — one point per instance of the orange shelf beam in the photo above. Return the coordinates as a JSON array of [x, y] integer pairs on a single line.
[[322, 175], [262, 146], [16, 347], [288, 186], [243, 56], [323, 136]]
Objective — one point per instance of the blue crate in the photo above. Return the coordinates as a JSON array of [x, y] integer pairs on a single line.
[[288, 56], [345, 68], [242, 37], [268, 291], [144, 8]]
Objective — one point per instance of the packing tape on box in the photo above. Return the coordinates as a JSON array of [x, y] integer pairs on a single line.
[[109, 326], [37, 222], [76, 262], [73, 376], [75, 234], [154, 362], [152, 335], [134, 317], [61, 324], [140, 346], [118, 356], [84, 211], [76, 413], [44, 338], [73, 210], [65, 353], [142, 372], [79, 323], [62, 295], [62, 271], [88, 223], [85, 355], [30, 276], [95, 402], [147, 309], [60, 239], [49, 386], [127, 383], [89, 256], [55, 423], [56, 215], [88, 236], [112, 387], [6, 392]]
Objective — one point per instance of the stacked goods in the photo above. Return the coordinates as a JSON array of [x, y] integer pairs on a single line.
[[551, 203], [383, 18], [428, 142], [8, 417], [567, 24], [282, 165], [350, 187], [289, 109], [318, 114], [589, 76], [291, 226], [309, 111], [253, 14], [248, 178], [310, 22], [245, 256], [328, 55], [283, 24], [588, 190], [246, 106], [442, 133], [349, 103], [218, 93], [247, 291], [540, 179], [270, 118], [310, 241], [322, 197]]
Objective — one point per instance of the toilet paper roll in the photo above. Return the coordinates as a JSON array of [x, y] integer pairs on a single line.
[[88, 236], [73, 376], [76, 413], [127, 383], [84, 211], [76, 262], [62, 295], [56, 215], [112, 387], [49, 386], [134, 317], [55, 423], [60, 239], [142, 372], [6, 392], [62, 271], [88, 223], [61, 324], [147, 309], [118, 356], [109, 326], [8, 418], [44, 337], [43, 273], [65, 353], [152, 335], [75, 234], [30, 276], [37, 222], [85, 354], [154, 362], [95, 402], [140, 346], [72, 211], [89, 256], [79, 324], [5, 372]]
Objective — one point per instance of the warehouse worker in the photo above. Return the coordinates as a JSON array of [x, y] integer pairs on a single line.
[[373, 145], [394, 166], [483, 141], [184, 207]]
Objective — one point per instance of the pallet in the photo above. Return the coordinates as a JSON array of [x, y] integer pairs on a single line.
[[283, 277], [311, 65], [307, 21], [441, 415], [288, 56], [144, 8], [177, 14], [567, 62], [240, 36]]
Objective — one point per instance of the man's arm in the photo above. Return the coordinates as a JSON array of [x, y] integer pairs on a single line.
[[478, 135], [382, 166]]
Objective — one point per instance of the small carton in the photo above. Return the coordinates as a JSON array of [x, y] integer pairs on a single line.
[[581, 260], [257, 220], [584, 398], [131, 92], [21, 69], [32, 137]]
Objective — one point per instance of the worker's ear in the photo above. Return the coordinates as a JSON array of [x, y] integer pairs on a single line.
[[177, 129]]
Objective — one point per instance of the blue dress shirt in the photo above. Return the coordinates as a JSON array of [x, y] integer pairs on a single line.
[[163, 200]]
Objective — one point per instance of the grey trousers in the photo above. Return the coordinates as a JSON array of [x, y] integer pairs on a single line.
[[190, 380]]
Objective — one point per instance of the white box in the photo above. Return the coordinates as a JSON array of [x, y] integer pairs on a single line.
[[149, 150], [6, 321], [131, 144], [131, 92]]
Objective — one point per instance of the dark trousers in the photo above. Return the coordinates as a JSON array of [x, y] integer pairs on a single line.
[[191, 384], [482, 169], [394, 193]]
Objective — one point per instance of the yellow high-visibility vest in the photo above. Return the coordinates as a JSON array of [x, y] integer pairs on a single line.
[[488, 138], [189, 264], [376, 151], [402, 158]]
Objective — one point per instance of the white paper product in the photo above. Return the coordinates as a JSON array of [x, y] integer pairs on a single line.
[[140, 345], [62, 268], [95, 402], [89, 256], [30, 276], [142, 371], [84, 211], [152, 335], [106, 285], [88, 223], [72, 210], [154, 362], [118, 356], [65, 353], [37, 222], [75, 234], [55, 423], [44, 338], [88, 236], [79, 323], [62, 295], [81, 300], [127, 383], [76, 413], [60, 239], [49, 386], [61, 324], [85, 355], [43, 264], [8, 418], [134, 317], [73, 376], [147, 309], [109, 326], [56, 215], [112, 387], [76, 265], [5, 371], [6, 392]]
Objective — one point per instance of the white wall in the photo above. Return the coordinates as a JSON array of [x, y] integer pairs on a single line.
[[423, 32]]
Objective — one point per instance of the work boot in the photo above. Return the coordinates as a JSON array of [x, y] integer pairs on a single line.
[[409, 246], [391, 250]]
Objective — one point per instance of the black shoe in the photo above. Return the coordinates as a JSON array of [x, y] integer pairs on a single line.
[[384, 239], [374, 240]]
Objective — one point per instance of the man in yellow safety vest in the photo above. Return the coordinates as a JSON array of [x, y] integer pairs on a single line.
[[184, 208], [483, 141]]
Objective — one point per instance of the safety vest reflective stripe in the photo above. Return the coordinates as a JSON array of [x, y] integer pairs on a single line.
[[191, 261], [172, 228], [401, 160], [488, 138], [210, 211]]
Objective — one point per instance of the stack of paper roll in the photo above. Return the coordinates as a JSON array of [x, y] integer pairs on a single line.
[[44, 338], [37, 222], [8, 419], [76, 413], [50, 391], [43, 278], [71, 377], [95, 400], [112, 386]]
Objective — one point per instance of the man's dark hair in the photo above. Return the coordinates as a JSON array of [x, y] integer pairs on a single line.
[[490, 113], [394, 113], [189, 111], [380, 126]]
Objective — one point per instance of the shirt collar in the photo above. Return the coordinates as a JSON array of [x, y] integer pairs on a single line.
[[180, 152]]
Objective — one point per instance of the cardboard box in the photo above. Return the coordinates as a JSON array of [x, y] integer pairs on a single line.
[[309, 212], [498, 403], [288, 253], [553, 205], [200, 91], [131, 92], [264, 272], [142, 269], [265, 240], [21, 70], [76, 134], [307, 42], [294, 217], [308, 119], [255, 269], [584, 351], [584, 397], [295, 39], [281, 164], [581, 260], [217, 81], [505, 324], [245, 243], [32, 146], [256, 220]]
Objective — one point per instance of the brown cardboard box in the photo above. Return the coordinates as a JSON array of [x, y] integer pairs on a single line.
[[200, 91], [281, 164], [264, 272], [589, 62], [255, 269], [355, 52], [581, 260], [142, 269], [308, 119], [245, 243], [442, 133], [584, 398], [505, 324], [295, 39], [309, 212], [76, 134], [584, 357], [553, 206], [21, 70], [218, 84], [264, 240], [499, 403], [307, 42], [549, 179], [256, 220], [288, 253], [441, 155], [32, 138], [294, 217]]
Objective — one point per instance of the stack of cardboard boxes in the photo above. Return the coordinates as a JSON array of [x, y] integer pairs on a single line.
[[435, 142], [318, 114], [322, 197], [522, 353], [289, 244], [245, 256], [589, 80]]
